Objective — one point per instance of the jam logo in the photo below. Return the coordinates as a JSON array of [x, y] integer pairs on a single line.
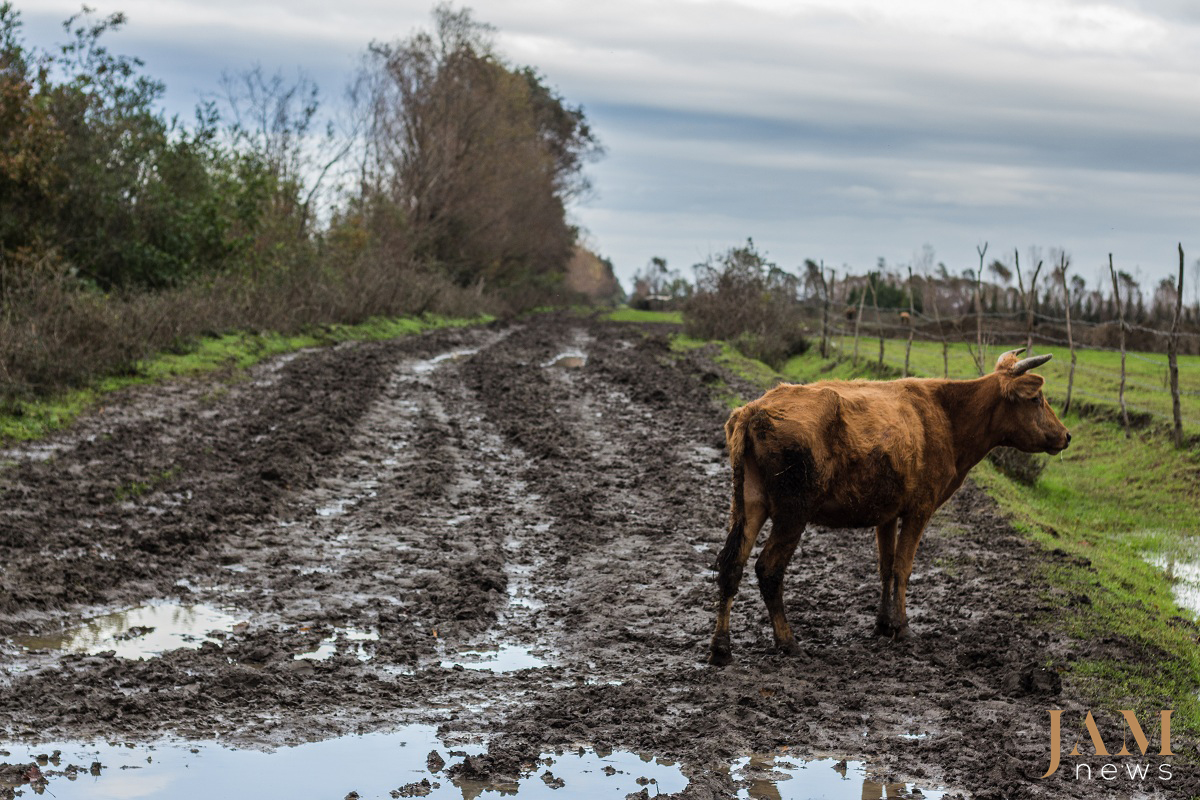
[[1109, 771]]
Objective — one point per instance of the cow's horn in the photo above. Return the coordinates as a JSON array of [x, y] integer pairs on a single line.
[[1013, 353], [1026, 364]]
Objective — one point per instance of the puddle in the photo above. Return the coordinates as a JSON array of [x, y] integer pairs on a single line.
[[506, 658], [138, 633], [430, 364], [781, 778], [346, 638], [375, 767], [1182, 567], [569, 359], [341, 505]]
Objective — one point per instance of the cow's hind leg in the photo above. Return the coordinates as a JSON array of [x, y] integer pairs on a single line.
[[786, 532], [885, 541], [731, 563], [911, 529]]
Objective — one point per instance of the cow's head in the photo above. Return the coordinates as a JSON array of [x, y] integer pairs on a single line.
[[1025, 419]]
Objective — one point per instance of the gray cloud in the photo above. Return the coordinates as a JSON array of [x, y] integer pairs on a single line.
[[840, 130]]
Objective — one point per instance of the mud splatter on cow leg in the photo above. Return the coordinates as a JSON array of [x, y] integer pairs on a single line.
[[906, 551], [731, 563], [885, 542], [772, 562]]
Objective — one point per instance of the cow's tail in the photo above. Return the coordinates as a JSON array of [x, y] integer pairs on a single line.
[[736, 440]]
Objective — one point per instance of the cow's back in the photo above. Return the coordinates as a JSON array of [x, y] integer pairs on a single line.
[[865, 441]]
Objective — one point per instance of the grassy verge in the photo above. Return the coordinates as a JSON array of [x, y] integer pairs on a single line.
[[1116, 506], [31, 419], [635, 315], [1122, 508]]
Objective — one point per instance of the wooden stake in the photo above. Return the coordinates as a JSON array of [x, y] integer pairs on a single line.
[[1062, 274], [1173, 355], [862, 299], [980, 358], [911, 321], [824, 314], [1121, 319]]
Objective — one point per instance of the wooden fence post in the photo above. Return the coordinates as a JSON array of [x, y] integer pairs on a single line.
[[824, 314], [1062, 275], [1121, 318], [980, 359], [1173, 353], [862, 299], [878, 320], [937, 316], [912, 321]]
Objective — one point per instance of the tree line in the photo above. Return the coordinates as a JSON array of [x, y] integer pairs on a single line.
[[440, 184]]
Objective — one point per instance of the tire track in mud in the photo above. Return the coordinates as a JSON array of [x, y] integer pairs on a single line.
[[360, 498]]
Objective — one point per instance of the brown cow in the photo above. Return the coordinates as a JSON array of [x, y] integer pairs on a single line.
[[854, 454]]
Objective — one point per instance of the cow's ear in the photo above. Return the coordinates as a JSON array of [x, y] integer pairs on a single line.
[[1006, 361], [1023, 387]]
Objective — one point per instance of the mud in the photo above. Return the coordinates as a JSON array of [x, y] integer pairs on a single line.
[[464, 531]]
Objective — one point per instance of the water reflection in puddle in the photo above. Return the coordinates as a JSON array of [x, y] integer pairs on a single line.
[[430, 364], [768, 777], [569, 359], [375, 767], [346, 638], [506, 658], [1183, 570], [138, 633]]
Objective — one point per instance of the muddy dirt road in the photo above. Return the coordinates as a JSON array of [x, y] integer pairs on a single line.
[[505, 533]]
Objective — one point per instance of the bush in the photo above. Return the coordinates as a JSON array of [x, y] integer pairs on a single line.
[[56, 332], [1022, 467], [748, 301]]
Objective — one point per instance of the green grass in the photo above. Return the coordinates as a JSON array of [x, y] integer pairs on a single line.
[[1097, 373], [25, 420], [1114, 504], [634, 315], [1109, 502]]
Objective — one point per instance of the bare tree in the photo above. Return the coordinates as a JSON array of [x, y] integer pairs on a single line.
[[1028, 299], [275, 119]]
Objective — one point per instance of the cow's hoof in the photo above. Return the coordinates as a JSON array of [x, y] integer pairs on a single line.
[[720, 654], [788, 647], [883, 629], [902, 633]]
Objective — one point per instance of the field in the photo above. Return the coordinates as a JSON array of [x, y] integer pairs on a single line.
[[1097, 373], [478, 559]]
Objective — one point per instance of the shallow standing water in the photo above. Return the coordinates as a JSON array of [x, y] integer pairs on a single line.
[[375, 766], [138, 633]]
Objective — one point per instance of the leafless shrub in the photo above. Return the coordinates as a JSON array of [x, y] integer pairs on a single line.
[[746, 300]]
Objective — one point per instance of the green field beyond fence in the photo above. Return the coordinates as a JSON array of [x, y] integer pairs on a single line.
[[1097, 373]]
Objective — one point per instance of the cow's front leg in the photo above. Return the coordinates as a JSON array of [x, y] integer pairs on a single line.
[[772, 562], [885, 545], [911, 529]]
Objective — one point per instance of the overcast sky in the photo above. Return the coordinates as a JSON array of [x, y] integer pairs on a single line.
[[842, 130]]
